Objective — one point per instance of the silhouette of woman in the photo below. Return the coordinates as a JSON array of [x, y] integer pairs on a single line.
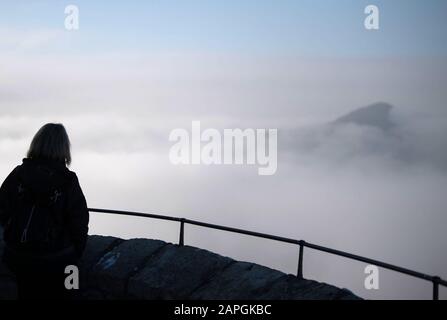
[[45, 217]]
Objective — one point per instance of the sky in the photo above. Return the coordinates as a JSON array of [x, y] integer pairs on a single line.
[[316, 28], [136, 70]]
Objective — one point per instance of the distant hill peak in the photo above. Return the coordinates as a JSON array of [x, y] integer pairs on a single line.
[[375, 115]]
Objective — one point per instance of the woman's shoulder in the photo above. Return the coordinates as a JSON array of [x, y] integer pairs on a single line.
[[12, 176], [73, 178], [14, 173]]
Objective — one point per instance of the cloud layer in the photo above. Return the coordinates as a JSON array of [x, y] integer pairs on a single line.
[[351, 187]]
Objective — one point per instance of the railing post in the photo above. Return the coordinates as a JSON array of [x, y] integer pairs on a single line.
[[436, 288], [299, 273], [181, 241]]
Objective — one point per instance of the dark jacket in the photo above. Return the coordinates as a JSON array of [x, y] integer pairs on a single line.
[[71, 211]]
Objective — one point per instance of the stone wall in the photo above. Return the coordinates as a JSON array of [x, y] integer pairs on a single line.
[[112, 268]]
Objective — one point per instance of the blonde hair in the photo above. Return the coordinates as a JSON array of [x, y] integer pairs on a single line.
[[51, 142]]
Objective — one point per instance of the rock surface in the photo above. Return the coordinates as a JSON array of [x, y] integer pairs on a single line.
[[376, 115], [113, 268]]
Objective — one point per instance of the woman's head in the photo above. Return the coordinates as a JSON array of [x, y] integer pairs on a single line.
[[51, 142]]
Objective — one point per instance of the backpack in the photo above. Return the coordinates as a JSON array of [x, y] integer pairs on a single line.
[[36, 222]]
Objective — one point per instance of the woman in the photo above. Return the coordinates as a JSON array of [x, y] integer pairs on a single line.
[[44, 215]]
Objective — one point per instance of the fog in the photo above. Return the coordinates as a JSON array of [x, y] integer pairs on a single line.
[[354, 188]]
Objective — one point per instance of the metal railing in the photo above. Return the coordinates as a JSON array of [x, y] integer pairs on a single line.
[[435, 280]]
